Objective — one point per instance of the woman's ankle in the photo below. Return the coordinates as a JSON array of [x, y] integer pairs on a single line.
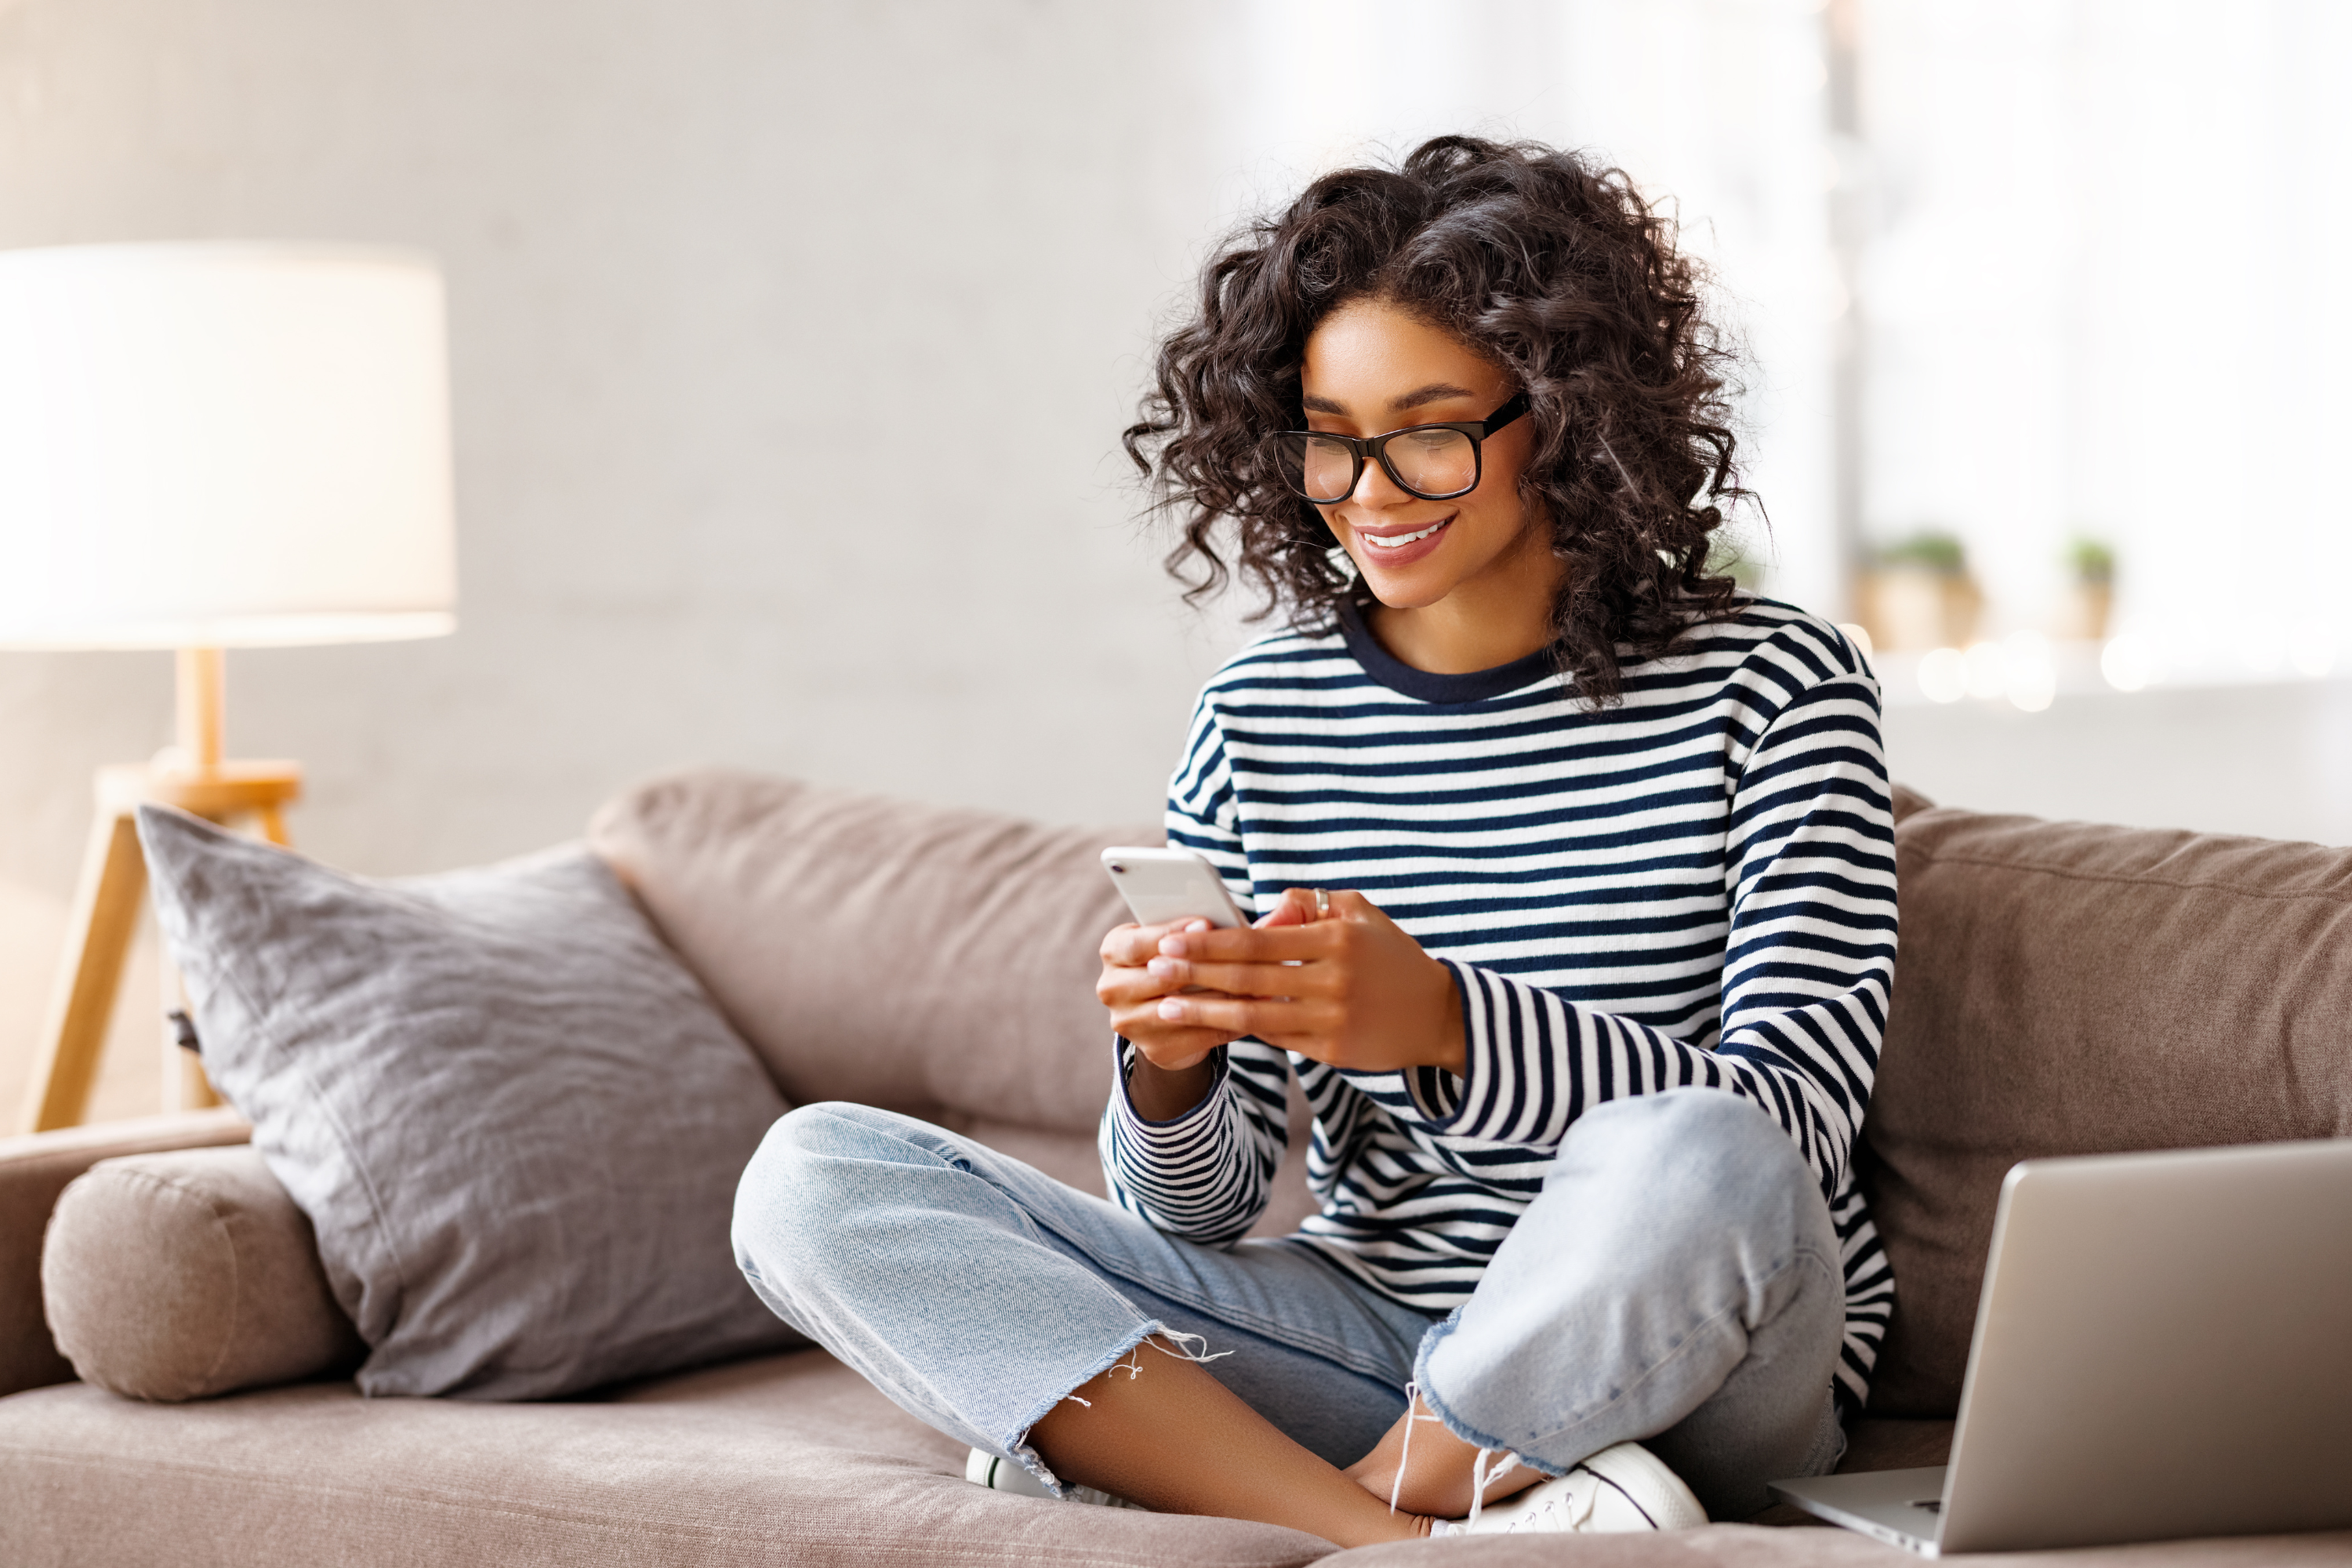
[[1434, 1477], [1398, 1526]]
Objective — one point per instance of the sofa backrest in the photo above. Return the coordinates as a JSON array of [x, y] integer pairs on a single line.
[[2067, 988], [2062, 988], [928, 960], [914, 957]]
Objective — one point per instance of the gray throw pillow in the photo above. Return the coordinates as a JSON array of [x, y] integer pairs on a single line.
[[513, 1116]]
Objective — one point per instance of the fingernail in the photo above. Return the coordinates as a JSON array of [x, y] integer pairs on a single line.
[[1172, 1011], [1172, 946], [1164, 968]]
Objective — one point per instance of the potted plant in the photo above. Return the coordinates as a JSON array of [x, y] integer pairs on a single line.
[[1918, 594], [2091, 589]]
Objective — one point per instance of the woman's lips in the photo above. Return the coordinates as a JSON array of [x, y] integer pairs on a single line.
[[1419, 542]]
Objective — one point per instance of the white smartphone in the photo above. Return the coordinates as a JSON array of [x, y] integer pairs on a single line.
[[1162, 885]]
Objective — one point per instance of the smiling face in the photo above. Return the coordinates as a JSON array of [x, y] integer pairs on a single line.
[[1466, 583]]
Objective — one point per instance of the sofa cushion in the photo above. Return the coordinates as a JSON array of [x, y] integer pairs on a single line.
[[34, 1168], [176, 1275], [1823, 1545], [790, 1459], [935, 962], [2066, 988], [515, 1119], [931, 961]]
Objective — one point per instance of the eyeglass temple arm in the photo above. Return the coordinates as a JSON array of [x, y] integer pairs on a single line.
[[1517, 407]]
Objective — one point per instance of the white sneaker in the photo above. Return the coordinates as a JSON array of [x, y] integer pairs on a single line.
[[1623, 1487], [1001, 1475]]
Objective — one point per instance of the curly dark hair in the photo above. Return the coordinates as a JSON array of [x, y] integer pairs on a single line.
[[1553, 267]]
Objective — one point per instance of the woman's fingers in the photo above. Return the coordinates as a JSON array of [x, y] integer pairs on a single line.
[[1123, 986], [1162, 1044], [1279, 1023], [1131, 945], [1124, 982], [1253, 944], [1179, 1049], [1245, 979], [1327, 974], [1130, 991], [1297, 908]]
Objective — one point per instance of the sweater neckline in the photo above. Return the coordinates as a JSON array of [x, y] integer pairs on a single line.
[[1425, 686]]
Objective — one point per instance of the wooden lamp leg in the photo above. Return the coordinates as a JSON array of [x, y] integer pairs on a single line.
[[201, 692], [113, 882], [105, 914]]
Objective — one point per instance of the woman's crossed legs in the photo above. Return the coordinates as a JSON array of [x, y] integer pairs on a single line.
[[1676, 1282]]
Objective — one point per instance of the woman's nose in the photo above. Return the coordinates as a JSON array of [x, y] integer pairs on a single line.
[[1376, 490]]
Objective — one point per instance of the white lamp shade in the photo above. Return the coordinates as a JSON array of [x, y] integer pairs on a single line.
[[223, 445]]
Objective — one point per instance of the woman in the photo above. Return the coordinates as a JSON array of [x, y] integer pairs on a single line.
[[1575, 889]]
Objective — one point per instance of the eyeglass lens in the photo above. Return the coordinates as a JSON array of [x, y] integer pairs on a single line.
[[1433, 462]]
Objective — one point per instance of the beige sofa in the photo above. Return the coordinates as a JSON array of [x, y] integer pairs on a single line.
[[2062, 988]]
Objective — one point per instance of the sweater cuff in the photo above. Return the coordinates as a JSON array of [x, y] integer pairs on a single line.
[[1443, 1098], [1135, 1118]]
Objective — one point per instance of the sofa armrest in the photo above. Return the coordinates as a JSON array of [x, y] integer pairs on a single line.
[[34, 1168]]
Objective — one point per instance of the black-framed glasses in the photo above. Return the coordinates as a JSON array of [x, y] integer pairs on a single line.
[[1434, 462]]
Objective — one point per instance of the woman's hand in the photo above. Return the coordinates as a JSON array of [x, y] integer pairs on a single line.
[[1171, 1072], [1349, 988], [1133, 992]]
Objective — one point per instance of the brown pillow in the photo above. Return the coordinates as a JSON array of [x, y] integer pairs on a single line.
[[2067, 988], [1909, 801], [902, 955], [182, 1275], [936, 961]]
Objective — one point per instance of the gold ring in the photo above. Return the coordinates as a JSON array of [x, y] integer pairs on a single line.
[[1322, 903]]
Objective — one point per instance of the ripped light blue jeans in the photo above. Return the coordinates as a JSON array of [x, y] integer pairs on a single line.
[[1676, 1282]]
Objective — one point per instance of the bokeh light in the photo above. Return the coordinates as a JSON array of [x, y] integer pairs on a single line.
[[1944, 675]]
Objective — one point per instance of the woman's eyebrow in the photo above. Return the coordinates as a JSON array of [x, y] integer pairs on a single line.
[[1435, 392]]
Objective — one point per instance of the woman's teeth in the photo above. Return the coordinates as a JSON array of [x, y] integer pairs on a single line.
[[1399, 541]]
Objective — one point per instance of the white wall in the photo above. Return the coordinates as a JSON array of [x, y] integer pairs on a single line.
[[2272, 759], [1716, 107], [2105, 296], [790, 346], [792, 342]]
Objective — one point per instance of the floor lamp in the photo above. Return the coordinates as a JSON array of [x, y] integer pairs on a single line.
[[205, 446]]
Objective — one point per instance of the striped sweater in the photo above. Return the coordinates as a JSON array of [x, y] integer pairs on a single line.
[[1694, 887]]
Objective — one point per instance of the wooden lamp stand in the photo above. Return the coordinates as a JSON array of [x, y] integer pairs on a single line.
[[252, 796], [155, 502]]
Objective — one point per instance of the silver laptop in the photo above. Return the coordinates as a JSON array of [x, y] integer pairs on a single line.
[[2163, 1349]]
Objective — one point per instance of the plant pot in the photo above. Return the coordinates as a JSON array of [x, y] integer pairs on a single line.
[[1913, 607], [2087, 611]]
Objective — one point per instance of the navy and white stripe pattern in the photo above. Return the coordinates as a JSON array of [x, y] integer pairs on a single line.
[[1694, 888]]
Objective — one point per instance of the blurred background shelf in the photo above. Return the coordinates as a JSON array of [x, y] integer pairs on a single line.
[[2030, 672], [2214, 748]]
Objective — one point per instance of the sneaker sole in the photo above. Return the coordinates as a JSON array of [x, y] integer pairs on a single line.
[[983, 1468], [1634, 1473]]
